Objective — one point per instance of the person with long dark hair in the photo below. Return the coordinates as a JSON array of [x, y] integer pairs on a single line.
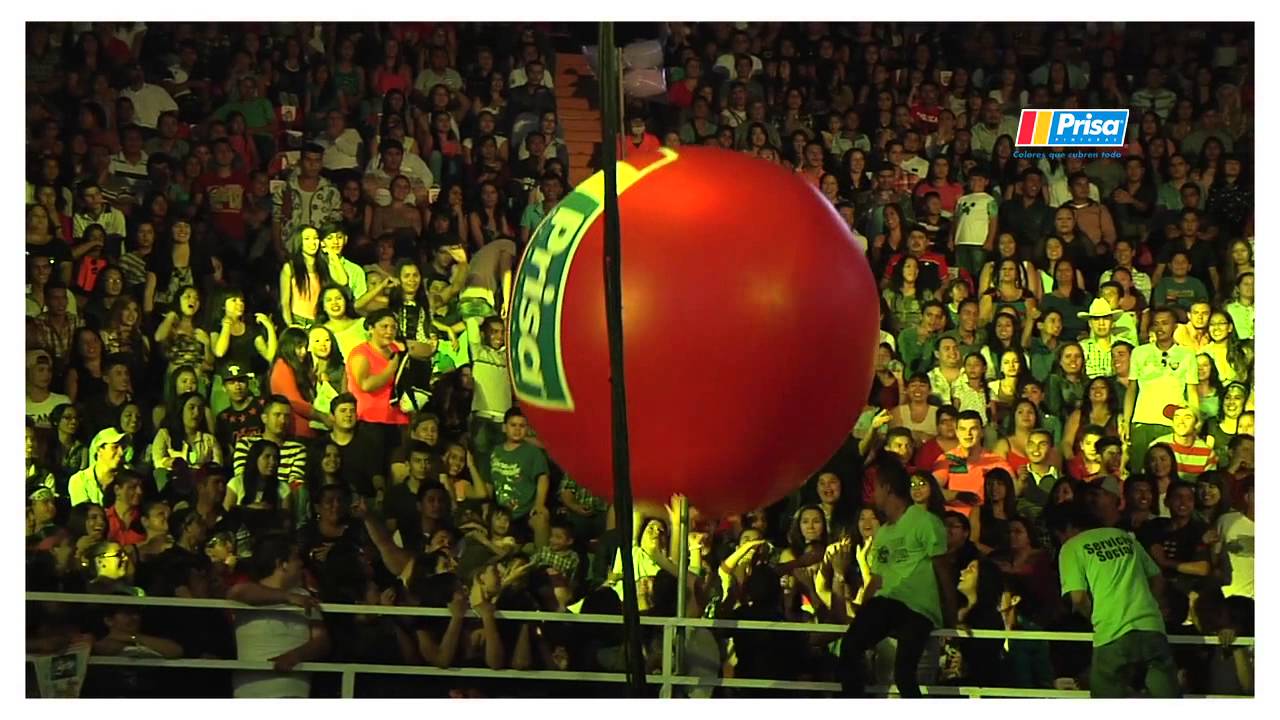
[[837, 505], [257, 487], [67, 452], [1161, 465], [1100, 406], [173, 266], [488, 221], [979, 590], [904, 298], [186, 436], [991, 522], [926, 493], [1066, 380], [233, 344], [303, 276], [411, 306], [807, 538], [291, 376], [1009, 288]]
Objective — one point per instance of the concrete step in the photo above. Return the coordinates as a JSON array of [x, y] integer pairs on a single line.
[[568, 103], [585, 124]]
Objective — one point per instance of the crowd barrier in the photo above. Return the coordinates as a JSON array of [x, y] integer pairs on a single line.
[[668, 678]]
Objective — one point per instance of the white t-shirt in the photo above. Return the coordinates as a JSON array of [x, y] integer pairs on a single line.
[[148, 102], [643, 565], [917, 166], [1242, 316], [974, 214], [262, 635], [1161, 380], [1236, 544], [340, 154], [39, 411], [492, 396]]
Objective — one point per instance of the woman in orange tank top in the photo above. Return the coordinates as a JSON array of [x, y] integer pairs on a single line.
[[302, 278]]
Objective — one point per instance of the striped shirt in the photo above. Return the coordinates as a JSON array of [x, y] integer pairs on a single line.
[[292, 466], [134, 267], [1192, 459]]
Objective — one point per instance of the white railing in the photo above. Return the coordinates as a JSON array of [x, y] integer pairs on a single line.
[[668, 677]]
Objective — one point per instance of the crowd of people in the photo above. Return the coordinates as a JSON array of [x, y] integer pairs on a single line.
[[269, 269]]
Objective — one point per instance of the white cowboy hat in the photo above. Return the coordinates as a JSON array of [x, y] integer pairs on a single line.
[[1100, 308]]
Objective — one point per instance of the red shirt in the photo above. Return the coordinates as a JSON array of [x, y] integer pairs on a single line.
[[925, 117], [375, 406], [648, 143], [225, 199], [928, 454], [967, 474], [1077, 471], [949, 193], [680, 95], [119, 530], [284, 382]]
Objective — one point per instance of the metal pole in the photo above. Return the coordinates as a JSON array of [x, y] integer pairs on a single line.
[[348, 683], [610, 103], [668, 636], [682, 589]]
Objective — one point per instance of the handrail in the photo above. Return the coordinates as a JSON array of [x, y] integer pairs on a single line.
[[348, 670], [542, 616]]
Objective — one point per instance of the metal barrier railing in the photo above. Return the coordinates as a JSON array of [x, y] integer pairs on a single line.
[[668, 677]]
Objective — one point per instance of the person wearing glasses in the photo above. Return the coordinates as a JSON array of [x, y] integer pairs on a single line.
[[1161, 373], [110, 570]]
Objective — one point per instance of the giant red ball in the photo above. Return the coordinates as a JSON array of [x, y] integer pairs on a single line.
[[750, 321]]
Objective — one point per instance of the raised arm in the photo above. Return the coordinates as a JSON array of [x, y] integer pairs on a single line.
[[266, 347]]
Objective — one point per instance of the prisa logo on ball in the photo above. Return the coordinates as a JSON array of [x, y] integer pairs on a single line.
[[537, 367], [1048, 128], [538, 370]]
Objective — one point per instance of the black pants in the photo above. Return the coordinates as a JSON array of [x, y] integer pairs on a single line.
[[880, 618]]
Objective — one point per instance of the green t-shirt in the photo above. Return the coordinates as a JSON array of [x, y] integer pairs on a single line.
[[1114, 568], [1183, 293], [532, 215], [917, 355], [515, 476], [257, 112], [903, 558]]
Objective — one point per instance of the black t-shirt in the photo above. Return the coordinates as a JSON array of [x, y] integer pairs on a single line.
[[362, 458], [231, 425], [55, 250], [1180, 545], [400, 504], [1028, 225], [99, 414]]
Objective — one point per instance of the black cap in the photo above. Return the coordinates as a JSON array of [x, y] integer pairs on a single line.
[[235, 371]]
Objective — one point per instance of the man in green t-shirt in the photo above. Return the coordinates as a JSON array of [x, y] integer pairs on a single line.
[[520, 477], [909, 593], [1112, 580]]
